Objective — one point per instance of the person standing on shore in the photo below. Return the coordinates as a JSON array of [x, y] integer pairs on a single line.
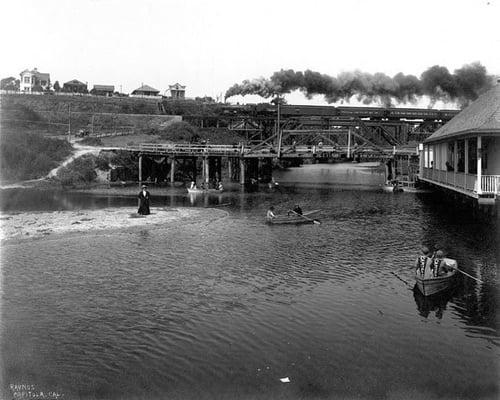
[[144, 198]]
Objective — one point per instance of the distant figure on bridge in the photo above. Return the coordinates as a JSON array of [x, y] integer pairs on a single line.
[[144, 198], [449, 167]]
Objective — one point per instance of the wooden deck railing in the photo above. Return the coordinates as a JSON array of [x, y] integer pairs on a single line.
[[187, 148], [490, 184]]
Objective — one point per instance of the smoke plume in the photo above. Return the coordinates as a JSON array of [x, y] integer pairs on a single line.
[[462, 87]]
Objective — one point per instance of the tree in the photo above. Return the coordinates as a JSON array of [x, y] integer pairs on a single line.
[[179, 131], [57, 87], [10, 83]]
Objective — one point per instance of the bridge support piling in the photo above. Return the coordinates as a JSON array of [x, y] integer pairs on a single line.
[[219, 169], [206, 170], [172, 169], [230, 168], [194, 162], [242, 171]]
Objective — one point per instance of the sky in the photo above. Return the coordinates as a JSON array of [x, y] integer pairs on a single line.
[[210, 45]]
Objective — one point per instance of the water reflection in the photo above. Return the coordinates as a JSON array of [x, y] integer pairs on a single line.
[[435, 303], [216, 305]]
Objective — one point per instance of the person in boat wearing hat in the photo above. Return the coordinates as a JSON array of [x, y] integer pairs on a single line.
[[144, 198], [423, 261]]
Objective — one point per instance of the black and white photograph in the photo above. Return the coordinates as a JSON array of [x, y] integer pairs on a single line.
[[249, 200]]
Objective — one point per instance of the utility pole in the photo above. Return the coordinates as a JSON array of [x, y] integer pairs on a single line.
[[349, 142], [69, 122], [279, 128]]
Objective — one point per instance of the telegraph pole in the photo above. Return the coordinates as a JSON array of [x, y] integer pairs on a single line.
[[69, 122], [278, 128]]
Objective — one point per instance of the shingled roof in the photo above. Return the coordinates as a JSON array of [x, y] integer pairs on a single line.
[[145, 88], [104, 88], [75, 82], [481, 116]]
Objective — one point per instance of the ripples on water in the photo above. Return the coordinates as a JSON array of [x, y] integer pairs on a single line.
[[223, 309]]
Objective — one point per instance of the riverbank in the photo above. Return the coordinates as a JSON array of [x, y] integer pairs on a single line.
[[22, 226]]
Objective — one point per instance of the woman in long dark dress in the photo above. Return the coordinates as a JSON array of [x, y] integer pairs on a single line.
[[144, 198]]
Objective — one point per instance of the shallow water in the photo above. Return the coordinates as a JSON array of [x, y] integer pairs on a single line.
[[225, 308]]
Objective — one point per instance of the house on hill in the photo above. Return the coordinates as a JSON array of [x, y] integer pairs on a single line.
[[177, 91], [103, 90], [31, 80], [75, 86], [464, 155], [145, 90]]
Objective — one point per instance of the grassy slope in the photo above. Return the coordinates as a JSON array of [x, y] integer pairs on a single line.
[[29, 156]]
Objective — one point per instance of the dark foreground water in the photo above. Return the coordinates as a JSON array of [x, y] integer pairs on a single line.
[[225, 309]]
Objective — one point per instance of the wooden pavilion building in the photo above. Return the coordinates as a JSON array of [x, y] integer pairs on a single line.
[[145, 91], [463, 156]]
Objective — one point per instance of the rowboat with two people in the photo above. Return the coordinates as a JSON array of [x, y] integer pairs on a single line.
[[434, 274], [204, 189], [292, 217]]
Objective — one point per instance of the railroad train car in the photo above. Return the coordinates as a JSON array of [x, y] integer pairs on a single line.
[[375, 113]]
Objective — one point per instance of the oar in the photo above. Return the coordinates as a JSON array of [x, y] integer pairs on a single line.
[[315, 221], [401, 279], [470, 276]]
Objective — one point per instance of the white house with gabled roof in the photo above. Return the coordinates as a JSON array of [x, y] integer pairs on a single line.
[[31, 78]]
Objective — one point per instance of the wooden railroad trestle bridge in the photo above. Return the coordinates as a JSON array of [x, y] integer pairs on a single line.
[[295, 133], [244, 163]]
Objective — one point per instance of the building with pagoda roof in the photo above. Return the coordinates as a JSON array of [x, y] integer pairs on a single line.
[[177, 91]]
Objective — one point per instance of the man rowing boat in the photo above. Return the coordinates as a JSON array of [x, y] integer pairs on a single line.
[[270, 214]]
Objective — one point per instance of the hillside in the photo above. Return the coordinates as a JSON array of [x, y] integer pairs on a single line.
[[56, 114]]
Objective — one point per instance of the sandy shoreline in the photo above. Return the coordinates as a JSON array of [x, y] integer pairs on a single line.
[[22, 226]]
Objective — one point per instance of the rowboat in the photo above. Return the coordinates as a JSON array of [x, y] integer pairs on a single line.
[[204, 190], [403, 186], [388, 188], [293, 219], [432, 285]]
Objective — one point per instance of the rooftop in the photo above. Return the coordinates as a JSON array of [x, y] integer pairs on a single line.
[[108, 88], [481, 116], [146, 88]]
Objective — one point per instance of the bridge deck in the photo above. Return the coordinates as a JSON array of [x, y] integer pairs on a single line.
[[302, 151]]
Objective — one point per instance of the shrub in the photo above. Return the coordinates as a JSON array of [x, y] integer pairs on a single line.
[[179, 131], [102, 162], [29, 156], [80, 171]]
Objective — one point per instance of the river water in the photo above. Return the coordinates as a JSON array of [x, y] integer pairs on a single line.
[[224, 309]]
